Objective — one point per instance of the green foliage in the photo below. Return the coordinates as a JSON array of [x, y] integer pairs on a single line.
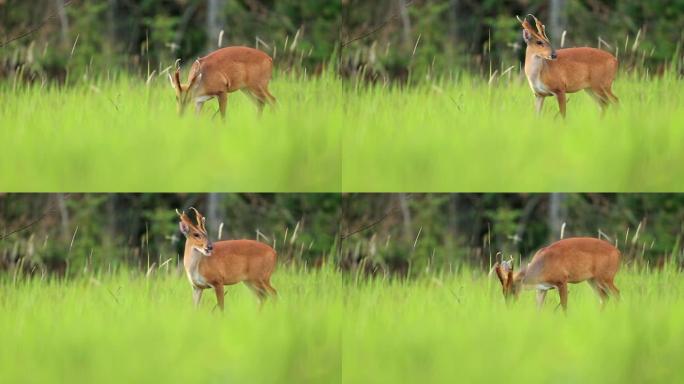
[[443, 232], [450, 36]]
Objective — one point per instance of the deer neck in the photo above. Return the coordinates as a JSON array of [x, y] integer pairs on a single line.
[[531, 275], [191, 261], [535, 66]]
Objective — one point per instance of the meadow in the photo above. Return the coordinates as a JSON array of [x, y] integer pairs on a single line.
[[123, 134], [332, 327], [450, 134], [472, 135]]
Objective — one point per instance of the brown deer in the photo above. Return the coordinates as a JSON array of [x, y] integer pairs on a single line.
[[224, 71], [553, 72], [571, 260], [214, 265]]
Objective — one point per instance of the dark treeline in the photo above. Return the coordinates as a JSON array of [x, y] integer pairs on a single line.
[[414, 232], [433, 37], [141, 36], [373, 233], [76, 231], [380, 39]]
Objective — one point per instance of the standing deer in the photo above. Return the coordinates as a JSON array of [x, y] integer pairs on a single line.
[[224, 71], [553, 72], [571, 260], [213, 265]]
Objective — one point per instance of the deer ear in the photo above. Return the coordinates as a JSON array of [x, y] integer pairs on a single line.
[[183, 228], [526, 35], [500, 273]]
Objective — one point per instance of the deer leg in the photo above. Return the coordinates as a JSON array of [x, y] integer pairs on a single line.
[[270, 289], [219, 295], [258, 289], [261, 99], [613, 289], [539, 104], [561, 102], [563, 293], [603, 100], [600, 291], [196, 296], [269, 96], [541, 295], [223, 101], [198, 106]]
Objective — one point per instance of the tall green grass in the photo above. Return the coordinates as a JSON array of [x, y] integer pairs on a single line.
[[469, 135], [458, 329], [125, 135], [128, 328], [328, 327], [461, 134]]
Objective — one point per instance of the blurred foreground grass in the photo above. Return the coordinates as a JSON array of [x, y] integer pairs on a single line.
[[327, 327], [326, 135]]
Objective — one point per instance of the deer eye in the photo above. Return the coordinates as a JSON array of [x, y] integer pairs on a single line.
[[196, 235], [540, 43]]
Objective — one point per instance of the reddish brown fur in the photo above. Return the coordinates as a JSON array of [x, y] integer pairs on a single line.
[[229, 262], [574, 69], [566, 261], [224, 71], [234, 261]]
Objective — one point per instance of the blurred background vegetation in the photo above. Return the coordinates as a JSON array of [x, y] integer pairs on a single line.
[[82, 36], [380, 40], [373, 234], [410, 234], [387, 40], [70, 233]]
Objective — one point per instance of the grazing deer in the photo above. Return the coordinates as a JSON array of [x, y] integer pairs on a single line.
[[224, 71], [213, 265], [571, 260], [553, 72]]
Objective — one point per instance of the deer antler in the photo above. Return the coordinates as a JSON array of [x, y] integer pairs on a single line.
[[541, 28], [200, 219], [525, 23], [183, 217]]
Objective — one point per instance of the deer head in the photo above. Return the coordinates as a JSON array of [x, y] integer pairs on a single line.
[[511, 282], [184, 92], [195, 234], [538, 43]]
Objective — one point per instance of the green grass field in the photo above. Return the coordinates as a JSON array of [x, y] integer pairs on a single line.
[[328, 328], [122, 135], [467, 136], [461, 135]]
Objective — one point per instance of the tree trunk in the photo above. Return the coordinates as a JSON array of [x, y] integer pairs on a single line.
[[557, 20], [215, 22], [111, 26], [63, 23], [405, 24], [557, 214], [214, 213], [405, 214], [63, 216], [453, 21]]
